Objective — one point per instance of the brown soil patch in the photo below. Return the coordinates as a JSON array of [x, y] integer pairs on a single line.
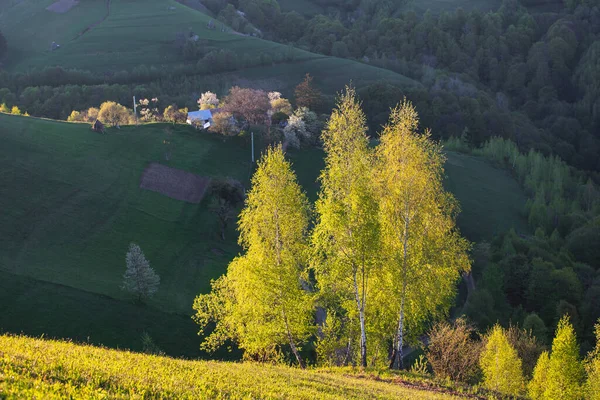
[[62, 6], [174, 183]]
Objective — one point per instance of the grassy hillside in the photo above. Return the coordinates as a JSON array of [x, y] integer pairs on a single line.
[[74, 205], [132, 33], [33, 368]]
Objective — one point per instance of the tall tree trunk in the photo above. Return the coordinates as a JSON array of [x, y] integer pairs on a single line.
[[293, 343], [398, 363], [361, 316]]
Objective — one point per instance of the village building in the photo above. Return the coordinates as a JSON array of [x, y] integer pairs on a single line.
[[200, 118]]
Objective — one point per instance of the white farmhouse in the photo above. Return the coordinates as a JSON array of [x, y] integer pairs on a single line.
[[201, 118]]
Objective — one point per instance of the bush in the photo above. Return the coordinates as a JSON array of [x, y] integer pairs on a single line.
[[527, 346], [114, 114], [224, 124], [453, 351]]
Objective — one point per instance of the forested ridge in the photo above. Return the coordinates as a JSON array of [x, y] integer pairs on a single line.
[[541, 65]]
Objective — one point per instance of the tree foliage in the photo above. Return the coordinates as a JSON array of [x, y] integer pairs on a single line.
[[501, 365], [262, 303], [345, 238], [307, 95], [227, 195], [592, 366], [250, 105], [424, 253], [113, 114], [139, 278], [561, 375], [208, 100]]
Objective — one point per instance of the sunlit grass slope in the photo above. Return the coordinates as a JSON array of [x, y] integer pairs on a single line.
[[33, 368]]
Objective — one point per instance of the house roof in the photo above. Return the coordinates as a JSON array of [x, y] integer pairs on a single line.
[[204, 115]]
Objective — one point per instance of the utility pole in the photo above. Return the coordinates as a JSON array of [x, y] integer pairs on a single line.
[[252, 136], [135, 111]]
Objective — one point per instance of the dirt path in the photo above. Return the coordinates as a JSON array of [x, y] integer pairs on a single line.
[[95, 24]]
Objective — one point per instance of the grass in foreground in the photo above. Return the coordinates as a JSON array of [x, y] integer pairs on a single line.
[[35, 368]]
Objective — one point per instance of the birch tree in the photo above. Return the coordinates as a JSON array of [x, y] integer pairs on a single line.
[[261, 303], [346, 234], [424, 253], [139, 278]]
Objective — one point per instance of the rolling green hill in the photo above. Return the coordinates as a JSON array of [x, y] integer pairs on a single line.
[[132, 33], [75, 204], [33, 368]]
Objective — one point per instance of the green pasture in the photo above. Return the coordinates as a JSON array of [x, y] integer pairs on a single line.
[[141, 33], [71, 204]]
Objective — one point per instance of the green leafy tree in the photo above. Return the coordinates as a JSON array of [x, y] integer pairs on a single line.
[[113, 113], [139, 279], [423, 250], [345, 238], [261, 303], [537, 386], [560, 377], [592, 365], [501, 365]]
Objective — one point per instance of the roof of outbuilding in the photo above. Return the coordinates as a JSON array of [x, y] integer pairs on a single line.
[[201, 114]]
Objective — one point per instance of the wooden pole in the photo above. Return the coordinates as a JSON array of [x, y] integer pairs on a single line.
[[252, 136]]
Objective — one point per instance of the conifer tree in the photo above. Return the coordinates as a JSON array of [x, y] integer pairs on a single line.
[[261, 303], [139, 279], [538, 382], [592, 365], [424, 253], [501, 365], [560, 377], [345, 238]]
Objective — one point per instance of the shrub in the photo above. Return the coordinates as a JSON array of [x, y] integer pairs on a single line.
[[501, 365], [225, 124], [113, 113], [453, 352], [527, 346], [74, 117]]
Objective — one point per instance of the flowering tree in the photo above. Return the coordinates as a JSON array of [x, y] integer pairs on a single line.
[[208, 101]]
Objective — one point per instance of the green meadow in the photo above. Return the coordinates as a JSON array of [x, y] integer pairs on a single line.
[[33, 368], [142, 33], [73, 204]]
